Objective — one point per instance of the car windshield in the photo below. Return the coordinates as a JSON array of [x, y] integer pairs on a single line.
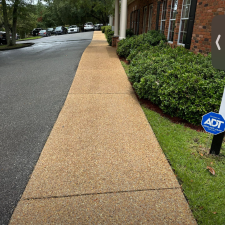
[[50, 29], [42, 31], [58, 28]]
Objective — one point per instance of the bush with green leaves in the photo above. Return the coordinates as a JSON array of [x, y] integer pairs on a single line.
[[138, 43], [109, 36], [107, 28], [129, 33], [103, 29], [181, 83]]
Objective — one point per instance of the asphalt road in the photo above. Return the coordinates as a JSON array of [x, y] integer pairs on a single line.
[[34, 83]]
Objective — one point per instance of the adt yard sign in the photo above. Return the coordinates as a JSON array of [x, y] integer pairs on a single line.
[[218, 42], [213, 123]]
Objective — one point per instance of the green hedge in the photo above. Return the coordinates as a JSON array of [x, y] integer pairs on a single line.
[[105, 28], [181, 83], [133, 45]]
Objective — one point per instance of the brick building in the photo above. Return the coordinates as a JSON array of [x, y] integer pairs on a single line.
[[184, 22]]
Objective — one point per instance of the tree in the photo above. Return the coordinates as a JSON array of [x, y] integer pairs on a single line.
[[81, 11], [6, 23], [11, 9]]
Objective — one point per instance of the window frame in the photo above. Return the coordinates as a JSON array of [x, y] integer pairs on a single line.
[[163, 20], [178, 41], [150, 16], [145, 10], [171, 9]]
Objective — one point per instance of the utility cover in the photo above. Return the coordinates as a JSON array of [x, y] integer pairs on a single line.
[[213, 123], [218, 42]]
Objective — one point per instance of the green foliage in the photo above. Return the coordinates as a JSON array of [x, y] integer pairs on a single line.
[[103, 29], [187, 152], [109, 36], [107, 29], [80, 12], [129, 33], [134, 44], [181, 83]]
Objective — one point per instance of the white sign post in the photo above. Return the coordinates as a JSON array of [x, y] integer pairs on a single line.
[[218, 139]]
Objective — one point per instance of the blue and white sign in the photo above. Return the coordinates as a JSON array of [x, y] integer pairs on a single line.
[[213, 123]]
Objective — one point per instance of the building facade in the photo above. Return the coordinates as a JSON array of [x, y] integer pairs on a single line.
[[183, 22]]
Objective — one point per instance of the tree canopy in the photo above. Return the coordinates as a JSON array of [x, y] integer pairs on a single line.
[[23, 16]]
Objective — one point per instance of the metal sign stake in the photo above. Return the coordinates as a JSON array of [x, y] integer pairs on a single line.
[[217, 143]]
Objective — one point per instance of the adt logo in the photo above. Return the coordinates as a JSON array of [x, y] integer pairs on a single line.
[[213, 123]]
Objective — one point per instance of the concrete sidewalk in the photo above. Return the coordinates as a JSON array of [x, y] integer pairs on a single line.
[[102, 163]]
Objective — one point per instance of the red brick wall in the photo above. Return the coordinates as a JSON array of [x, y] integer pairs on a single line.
[[140, 4], [205, 11]]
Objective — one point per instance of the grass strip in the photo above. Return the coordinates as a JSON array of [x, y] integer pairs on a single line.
[[30, 38], [5, 47], [187, 153]]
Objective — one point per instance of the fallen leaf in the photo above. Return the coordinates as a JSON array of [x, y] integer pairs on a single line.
[[214, 212], [211, 163], [191, 180], [201, 207], [211, 170], [201, 154]]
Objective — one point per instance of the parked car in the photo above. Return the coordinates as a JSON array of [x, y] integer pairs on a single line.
[[36, 31], [17, 36], [3, 38], [89, 26], [60, 30], [97, 27], [44, 33], [51, 30], [73, 29]]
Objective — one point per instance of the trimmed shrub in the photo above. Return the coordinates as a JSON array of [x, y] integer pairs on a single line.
[[107, 28], [138, 43], [129, 33], [109, 36], [103, 29], [181, 83]]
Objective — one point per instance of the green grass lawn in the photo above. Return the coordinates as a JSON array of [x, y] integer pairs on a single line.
[[187, 152], [2, 47], [30, 38]]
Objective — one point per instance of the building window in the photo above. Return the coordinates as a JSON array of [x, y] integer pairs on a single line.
[[184, 21], [163, 19], [173, 14], [150, 17], [131, 21], [134, 21], [144, 18]]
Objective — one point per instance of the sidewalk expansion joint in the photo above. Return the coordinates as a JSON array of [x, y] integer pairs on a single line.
[[99, 193]]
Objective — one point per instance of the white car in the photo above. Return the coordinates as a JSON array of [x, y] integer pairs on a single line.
[[73, 29], [89, 26]]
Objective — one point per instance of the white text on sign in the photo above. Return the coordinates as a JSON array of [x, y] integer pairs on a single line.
[[214, 122]]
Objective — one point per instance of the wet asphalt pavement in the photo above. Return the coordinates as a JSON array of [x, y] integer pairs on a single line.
[[34, 83]]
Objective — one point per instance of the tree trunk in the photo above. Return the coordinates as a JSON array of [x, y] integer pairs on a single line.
[[15, 14], [6, 24]]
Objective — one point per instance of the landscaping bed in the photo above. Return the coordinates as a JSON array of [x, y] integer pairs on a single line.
[[5, 47], [181, 83], [186, 149]]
